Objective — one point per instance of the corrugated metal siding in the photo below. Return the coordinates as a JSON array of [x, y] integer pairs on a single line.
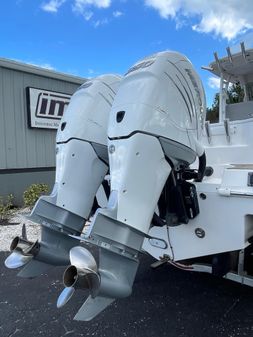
[[21, 147]]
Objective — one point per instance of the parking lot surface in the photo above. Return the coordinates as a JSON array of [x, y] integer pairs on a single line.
[[165, 302]]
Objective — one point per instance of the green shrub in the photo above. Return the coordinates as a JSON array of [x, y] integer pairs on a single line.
[[6, 207], [33, 192]]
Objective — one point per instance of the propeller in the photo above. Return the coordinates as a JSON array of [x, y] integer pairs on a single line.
[[22, 251], [112, 280], [81, 274], [36, 257]]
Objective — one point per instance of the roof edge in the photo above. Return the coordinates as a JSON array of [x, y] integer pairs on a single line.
[[31, 69]]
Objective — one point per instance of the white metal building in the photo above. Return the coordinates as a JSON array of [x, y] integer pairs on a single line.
[[32, 101]]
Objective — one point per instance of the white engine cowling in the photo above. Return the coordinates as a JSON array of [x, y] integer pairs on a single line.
[[161, 95], [156, 119], [81, 153]]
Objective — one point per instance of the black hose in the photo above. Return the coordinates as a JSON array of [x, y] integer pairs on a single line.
[[202, 167]]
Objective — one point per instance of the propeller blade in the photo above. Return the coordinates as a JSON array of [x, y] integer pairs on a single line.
[[81, 258], [94, 282], [24, 232], [92, 307], [16, 259], [65, 296]]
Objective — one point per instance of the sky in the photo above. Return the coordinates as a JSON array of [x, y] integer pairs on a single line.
[[89, 38]]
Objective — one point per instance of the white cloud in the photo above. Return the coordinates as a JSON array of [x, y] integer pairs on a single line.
[[40, 65], [100, 22], [45, 66], [213, 82], [247, 39], [117, 14], [95, 3], [166, 8], [52, 6], [227, 19], [156, 43], [83, 7], [88, 15]]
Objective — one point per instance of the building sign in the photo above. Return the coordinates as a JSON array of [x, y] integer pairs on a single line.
[[45, 108]]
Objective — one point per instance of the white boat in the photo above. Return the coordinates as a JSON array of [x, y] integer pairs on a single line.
[[219, 240], [181, 189]]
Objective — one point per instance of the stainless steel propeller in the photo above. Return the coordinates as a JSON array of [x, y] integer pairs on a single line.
[[22, 251], [81, 274]]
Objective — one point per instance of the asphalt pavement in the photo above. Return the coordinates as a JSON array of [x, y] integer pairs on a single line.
[[165, 302]]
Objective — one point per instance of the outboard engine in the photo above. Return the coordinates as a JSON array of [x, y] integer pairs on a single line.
[[153, 133], [81, 165]]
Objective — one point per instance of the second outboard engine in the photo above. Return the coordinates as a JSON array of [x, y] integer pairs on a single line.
[[153, 132], [81, 165]]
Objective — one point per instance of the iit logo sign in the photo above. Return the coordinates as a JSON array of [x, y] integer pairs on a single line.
[[45, 108], [51, 105]]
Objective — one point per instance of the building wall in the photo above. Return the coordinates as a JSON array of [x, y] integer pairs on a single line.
[[16, 182], [22, 147], [26, 155]]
